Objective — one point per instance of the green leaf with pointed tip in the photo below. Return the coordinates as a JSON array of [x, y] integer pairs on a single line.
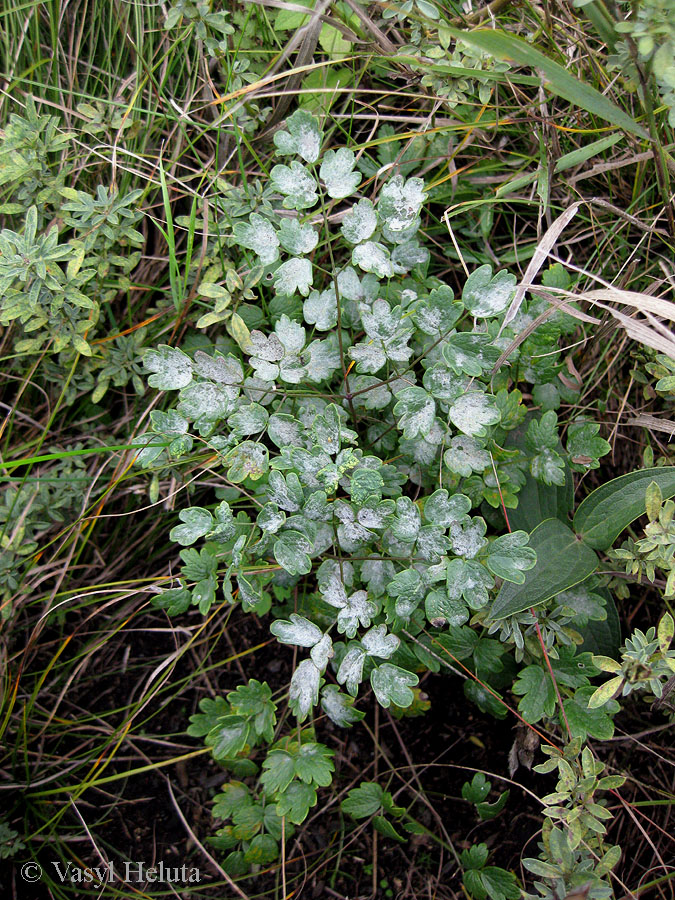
[[604, 514], [562, 561]]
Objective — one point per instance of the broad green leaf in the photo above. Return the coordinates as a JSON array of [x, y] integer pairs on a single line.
[[296, 802], [229, 737], [339, 707], [247, 460], [296, 184], [400, 202], [604, 514], [556, 78], [377, 642], [297, 238], [278, 771], [291, 551], [585, 722], [363, 801], [359, 222], [485, 296], [372, 256], [298, 630], [314, 764], [603, 637], [262, 850], [197, 523], [562, 561], [259, 235], [509, 556], [473, 412], [295, 275], [535, 687]]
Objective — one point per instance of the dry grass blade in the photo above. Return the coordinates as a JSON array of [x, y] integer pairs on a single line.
[[539, 258], [645, 421]]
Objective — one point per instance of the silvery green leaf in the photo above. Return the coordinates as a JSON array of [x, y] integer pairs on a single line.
[[377, 642], [408, 589], [400, 202], [297, 238], [320, 309], [291, 334], [172, 368], [370, 392], [247, 460], [369, 357], [298, 630], [473, 412], [249, 419], [205, 400], [443, 384], [269, 348], [485, 296], [321, 652], [359, 223], [196, 523], [296, 184], [436, 314], [392, 685], [293, 275], [303, 693], [324, 359], [357, 609], [377, 573], [259, 235], [169, 422], [442, 610], [270, 518], [376, 516], [406, 256], [405, 525], [442, 509], [465, 456], [415, 410], [350, 672], [291, 370], [509, 557], [285, 491], [337, 173], [291, 551], [302, 137], [373, 257], [349, 284], [330, 583], [470, 579], [468, 536], [432, 544], [218, 368], [285, 430], [383, 322], [470, 353], [339, 707]]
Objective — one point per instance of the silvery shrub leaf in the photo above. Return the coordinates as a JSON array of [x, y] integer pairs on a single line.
[[357, 609], [247, 460], [291, 551], [322, 359], [337, 173], [203, 400], [509, 557], [302, 137], [369, 357], [299, 631], [470, 353], [291, 334], [415, 410], [471, 580], [285, 430], [349, 284], [296, 184], [270, 518], [436, 314], [377, 642], [405, 526], [442, 509], [400, 202], [350, 672], [393, 685], [465, 456], [259, 235], [293, 275], [485, 296], [443, 384], [172, 368], [468, 536], [303, 693], [407, 588], [249, 419], [373, 257], [473, 412], [320, 309], [339, 707], [406, 256], [218, 368], [359, 222], [322, 652], [441, 609], [196, 523], [296, 238]]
